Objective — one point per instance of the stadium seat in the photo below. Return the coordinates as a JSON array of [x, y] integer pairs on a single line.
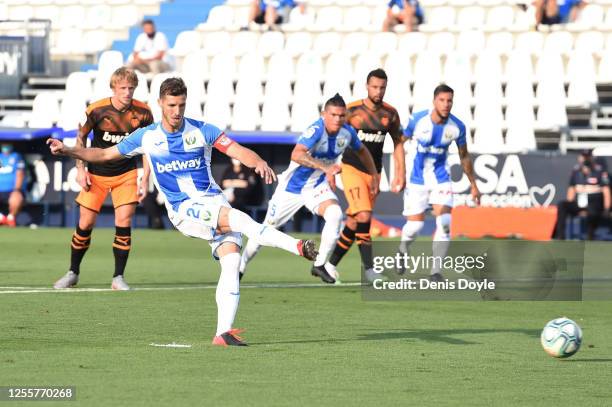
[[500, 18], [471, 42], [550, 91], [519, 114], [309, 66], [50, 12], [458, 66], [488, 139], [95, 41], [193, 107], [78, 86], [270, 42], [73, 16], [298, 43], [501, 42], [550, 67], [72, 113], [15, 120], [439, 18], [519, 68], [590, 41], [298, 21], [488, 66], [520, 138], [412, 43], [427, 67], [472, 17], [355, 43], [20, 13], [186, 42], [422, 93], [69, 41], [383, 43], [109, 61], [581, 76], [303, 113], [195, 89], [559, 41], [275, 115], [328, 18], [217, 42], [249, 87], [245, 116], [591, 16], [281, 67], [365, 63], [278, 88], [244, 42], [441, 42], [125, 16], [604, 73], [327, 43], [218, 113], [338, 66], [219, 17], [223, 66], [356, 19], [531, 42], [98, 16], [195, 64], [488, 113], [251, 66], [45, 110], [142, 90], [551, 116]]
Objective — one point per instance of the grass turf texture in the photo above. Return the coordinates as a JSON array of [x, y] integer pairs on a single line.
[[321, 345]]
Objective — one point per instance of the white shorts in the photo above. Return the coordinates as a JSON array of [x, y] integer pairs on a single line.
[[198, 217], [417, 198], [283, 205]]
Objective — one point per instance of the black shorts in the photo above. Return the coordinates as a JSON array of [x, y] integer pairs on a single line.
[[260, 19], [4, 196], [551, 20]]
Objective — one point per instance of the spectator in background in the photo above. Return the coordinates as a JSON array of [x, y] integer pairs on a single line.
[[272, 12], [150, 50], [12, 182], [588, 193], [407, 12], [241, 186], [551, 12]]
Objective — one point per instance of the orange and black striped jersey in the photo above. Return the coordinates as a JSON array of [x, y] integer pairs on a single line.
[[110, 126], [372, 127]]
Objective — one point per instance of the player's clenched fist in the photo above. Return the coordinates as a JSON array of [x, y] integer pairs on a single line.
[[56, 146]]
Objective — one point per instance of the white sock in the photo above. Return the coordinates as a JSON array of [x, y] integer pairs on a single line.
[[410, 230], [441, 241], [249, 251], [330, 233], [262, 235], [228, 292]]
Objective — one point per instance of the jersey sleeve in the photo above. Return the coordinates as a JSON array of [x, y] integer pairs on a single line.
[[396, 127], [310, 137], [211, 133], [461, 139], [355, 142], [409, 130], [132, 145]]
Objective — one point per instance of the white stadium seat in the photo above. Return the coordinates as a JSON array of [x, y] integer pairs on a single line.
[[488, 65], [142, 90], [328, 18], [126, 16], [275, 115], [99, 16], [278, 88], [270, 43], [245, 116], [281, 66], [531, 42], [251, 66], [440, 18], [457, 67], [581, 76], [73, 16], [355, 43], [155, 84], [471, 42], [500, 18], [488, 139], [217, 42], [186, 42], [365, 63], [243, 42], [45, 110], [591, 16], [356, 18], [604, 73], [441, 42], [383, 43], [223, 66], [72, 113], [219, 17], [550, 67], [412, 43], [559, 41], [78, 86], [472, 17], [327, 43], [303, 113], [298, 43], [501, 42], [195, 64], [218, 113], [590, 41]]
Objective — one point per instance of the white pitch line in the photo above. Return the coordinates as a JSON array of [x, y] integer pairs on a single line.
[[38, 290]]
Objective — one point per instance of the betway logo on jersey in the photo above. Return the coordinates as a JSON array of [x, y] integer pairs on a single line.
[[178, 165], [371, 137], [114, 138]]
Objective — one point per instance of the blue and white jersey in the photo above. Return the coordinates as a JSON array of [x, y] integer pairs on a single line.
[[432, 140], [322, 146], [9, 165], [180, 162]]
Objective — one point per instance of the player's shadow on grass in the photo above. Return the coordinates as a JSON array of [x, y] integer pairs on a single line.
[[448, 336], [588, 360]]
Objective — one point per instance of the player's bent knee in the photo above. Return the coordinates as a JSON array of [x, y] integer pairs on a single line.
[[363, 216], [226, 248], [443, 223], [333, 213]]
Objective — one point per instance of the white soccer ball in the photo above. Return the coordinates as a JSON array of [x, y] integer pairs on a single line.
[[561, 337]]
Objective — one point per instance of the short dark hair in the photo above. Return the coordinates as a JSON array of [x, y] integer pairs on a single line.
[[377, 73], [443, 89], [335, 100], [147, 21], [172, 87]]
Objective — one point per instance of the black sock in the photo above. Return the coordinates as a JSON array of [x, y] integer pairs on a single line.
[[344, 243], [78, 246], [121, 248], [364, 241]]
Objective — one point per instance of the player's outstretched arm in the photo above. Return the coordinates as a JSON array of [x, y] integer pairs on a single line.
[[251, 159], [468, 168], [91, 155]]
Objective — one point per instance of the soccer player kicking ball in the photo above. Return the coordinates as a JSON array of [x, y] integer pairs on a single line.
[[310, 181], [373, 119], [429, 180], [179, 151]]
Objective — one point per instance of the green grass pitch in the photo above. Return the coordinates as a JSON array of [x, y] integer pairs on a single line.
[[320, 345]]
